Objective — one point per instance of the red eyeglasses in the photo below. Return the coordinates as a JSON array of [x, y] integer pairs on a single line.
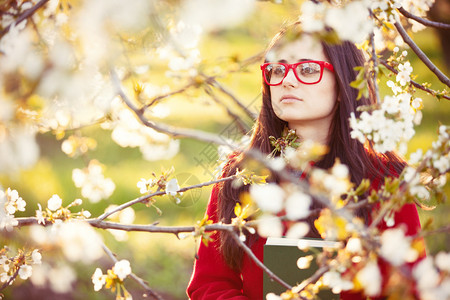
[[307, 72]]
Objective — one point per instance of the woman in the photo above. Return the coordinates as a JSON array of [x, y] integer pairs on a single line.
[[315, 99]]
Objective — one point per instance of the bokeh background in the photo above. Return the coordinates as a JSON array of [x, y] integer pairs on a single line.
[[162, 259]]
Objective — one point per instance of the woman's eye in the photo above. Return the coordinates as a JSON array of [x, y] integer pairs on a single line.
[[308, 69], [278, 70]]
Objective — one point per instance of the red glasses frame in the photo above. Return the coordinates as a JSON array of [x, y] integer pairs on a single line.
[[323, 64]]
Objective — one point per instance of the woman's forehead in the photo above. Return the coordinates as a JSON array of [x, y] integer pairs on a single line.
[[305, 47]]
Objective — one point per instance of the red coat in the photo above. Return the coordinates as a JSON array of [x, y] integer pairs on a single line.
[[213, 279]]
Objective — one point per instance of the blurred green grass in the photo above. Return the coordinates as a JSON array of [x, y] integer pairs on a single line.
[[163, 260]]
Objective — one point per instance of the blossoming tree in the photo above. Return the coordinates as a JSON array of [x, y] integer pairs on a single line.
[[67, 67]]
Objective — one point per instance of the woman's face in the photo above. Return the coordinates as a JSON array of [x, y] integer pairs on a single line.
[[304, 105]]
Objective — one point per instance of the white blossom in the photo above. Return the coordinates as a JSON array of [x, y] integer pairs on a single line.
[[304, 262], [25, 271], [396, 248], [420, 192], [370, 279], [36, 256], [354, 245], [61, 278], [417, 103], [92, 182], [395, 88], [40, 215], [86, 214], [7, 220], [389, 220], [18, 149], [79, 241], [389, 127], [98, 279], [54, 203], [144, 185], [297, 205], [215, 14], [312, 15], [442, 260], [39, 276], [129, 132], [122, 269], [172, 187], [269, 197], [404, 74], [153, 152], [127, 215], [411, 176], [340, 171], [272, 296], [351, 22], [269, 225], [442, 164], [337, 284], [415, 157], [298, 230], [426, 274]]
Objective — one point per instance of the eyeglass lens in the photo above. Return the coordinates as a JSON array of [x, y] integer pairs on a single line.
[[308, 72]]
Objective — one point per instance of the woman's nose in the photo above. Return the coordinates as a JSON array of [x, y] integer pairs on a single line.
[[290, 79]]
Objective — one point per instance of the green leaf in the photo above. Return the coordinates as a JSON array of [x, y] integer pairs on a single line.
[[363, 187]]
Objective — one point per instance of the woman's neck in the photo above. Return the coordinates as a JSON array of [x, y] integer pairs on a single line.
[[318, 133]]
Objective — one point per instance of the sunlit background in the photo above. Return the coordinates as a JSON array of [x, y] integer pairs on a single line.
[[162, 259]]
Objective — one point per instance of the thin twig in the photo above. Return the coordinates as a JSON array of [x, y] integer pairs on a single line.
[[252, 256], [152, 228], [160, 97], [28, 13], [160, 193], [216, 84], [422, 20], [441, 76], [443, 229], [313, 279], [414, 83], [136, 278], [241, 125]]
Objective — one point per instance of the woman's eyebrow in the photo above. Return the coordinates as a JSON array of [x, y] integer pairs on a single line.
[[300, 60]]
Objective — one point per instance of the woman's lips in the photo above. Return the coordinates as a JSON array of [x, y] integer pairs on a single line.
[[290, 98]]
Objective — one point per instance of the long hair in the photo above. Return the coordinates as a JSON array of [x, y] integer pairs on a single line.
[[362, 160]]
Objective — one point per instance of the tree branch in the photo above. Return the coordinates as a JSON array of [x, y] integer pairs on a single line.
[[414, 83], [28, 13], [139, 280], [313, 279], [441, 76], [423, 21], [160, 193]]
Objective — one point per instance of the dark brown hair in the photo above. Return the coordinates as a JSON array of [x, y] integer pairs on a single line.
[[362, 161]]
